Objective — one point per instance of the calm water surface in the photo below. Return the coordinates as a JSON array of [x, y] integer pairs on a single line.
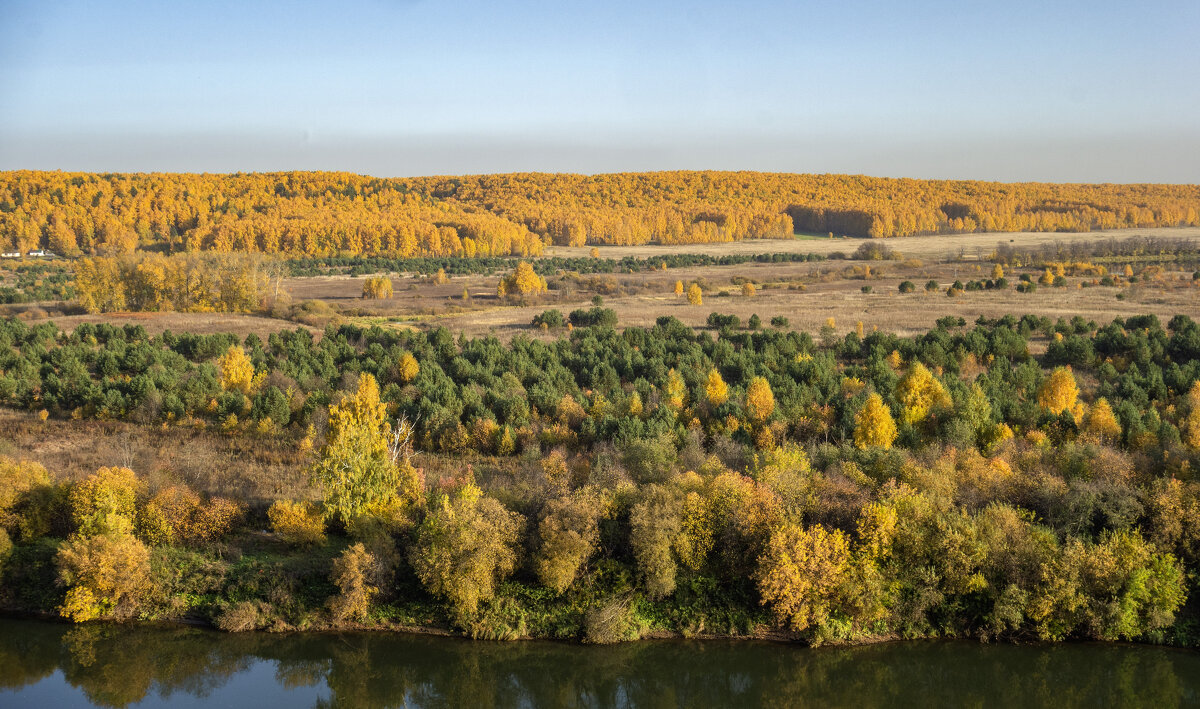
[[50, 665]]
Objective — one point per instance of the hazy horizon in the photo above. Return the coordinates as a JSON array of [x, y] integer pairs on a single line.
[[1076, 92]]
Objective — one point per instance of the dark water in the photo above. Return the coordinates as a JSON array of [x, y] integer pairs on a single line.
[[49, 665]]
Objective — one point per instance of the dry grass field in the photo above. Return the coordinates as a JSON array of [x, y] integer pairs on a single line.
[[806, 293], [940, 246]]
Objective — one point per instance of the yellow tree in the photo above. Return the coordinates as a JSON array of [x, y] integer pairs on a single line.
[[1059, 392], [409, 368], [920, 393], [1101, 422], [695, 296], [874, 426], [760, 401], [801, 572], [237, 371], [678, 287], [749, 290], [716, 390], [356, 469], [676, 391], [522, 281], [997, 272], [1191, 422]]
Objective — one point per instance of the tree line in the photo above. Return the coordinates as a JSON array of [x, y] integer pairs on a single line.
[[329, 214]]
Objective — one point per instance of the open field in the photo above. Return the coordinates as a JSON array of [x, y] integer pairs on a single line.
[[807, 293], [937, 246]]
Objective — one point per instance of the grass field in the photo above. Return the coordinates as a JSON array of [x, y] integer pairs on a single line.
[[806, 293]]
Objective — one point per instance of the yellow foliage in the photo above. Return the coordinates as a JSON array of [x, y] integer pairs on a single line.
[[760, 401], [177, 516], [350, 573], [920, 394], [523, 281], [874, 426], [997, 272], [409, 368], [676, 393], [18, 479], [297, 523], [801, 572], [107, 576], [716, 390], [695, 296], [377, 287], [237, 371], [1059, 392], [1101, 422], [104, 502], [748, 289], [678, 287]]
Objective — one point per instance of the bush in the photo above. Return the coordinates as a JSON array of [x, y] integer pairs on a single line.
[[611, 622], [244, 616], [177, 516], [464, 547], [593, 317], [780, 321], [1026, 287], [931, 286], [866, 289], [907, 287], [104, 503], [297, 523], [107, 575], [550, 319], [351, 572], [717, 321]]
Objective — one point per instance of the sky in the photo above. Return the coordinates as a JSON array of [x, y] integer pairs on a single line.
[[1012, 90]]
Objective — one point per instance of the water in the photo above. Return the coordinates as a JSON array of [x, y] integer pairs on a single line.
[[51, 665]]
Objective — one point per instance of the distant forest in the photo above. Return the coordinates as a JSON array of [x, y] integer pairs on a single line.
[[328, 214]]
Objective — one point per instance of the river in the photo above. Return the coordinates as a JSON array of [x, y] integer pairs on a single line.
[[52, 665]]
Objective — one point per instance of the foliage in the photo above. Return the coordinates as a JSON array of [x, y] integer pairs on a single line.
[[464, 547], [104, 502], [377, 287], [350, 573], [107, 576], [873, 424], [801, 572], [297, 523], [355, 468]]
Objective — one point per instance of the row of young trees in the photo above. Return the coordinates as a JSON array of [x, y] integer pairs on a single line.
[[323, 214], [187, 283]]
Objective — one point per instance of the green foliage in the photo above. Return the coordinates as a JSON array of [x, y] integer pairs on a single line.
[[464, 547]]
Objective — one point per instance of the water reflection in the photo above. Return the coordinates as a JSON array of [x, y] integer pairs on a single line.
[[114, 666]]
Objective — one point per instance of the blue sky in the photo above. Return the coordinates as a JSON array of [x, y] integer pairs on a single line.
[[1052, 90]]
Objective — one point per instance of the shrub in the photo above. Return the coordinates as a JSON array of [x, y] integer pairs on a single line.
[[464, 547], [866, 289], [243, 616], [568, 534], [107, 575], [177, 516], [718, 321], [104, 502], [549, 318], [780, 321], [297, 523], [593, 317], [907, 287], [350, 573], [931, 286], [610, 622]]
